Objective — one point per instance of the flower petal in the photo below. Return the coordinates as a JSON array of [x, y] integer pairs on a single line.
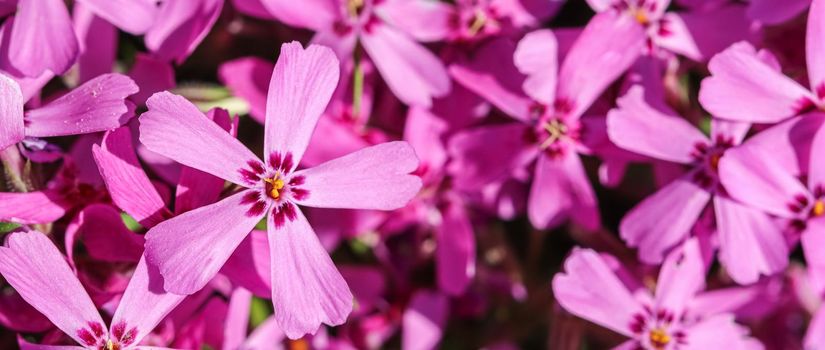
[[754, 179], [97, 105], [681, 277], [128, 185], [312, 14], [180, 29], [133, 16], [573, 195], [413, 73], [248, 267], [815, 334], [237, 318], [537, 57], [605, 49], [300, 89], [376, 177], [265, 336], [816, 173], [456, 249], [42, 38], [492, 75], [771, 12], [743, 87], [98, 43], [31, 263], [307, 289], [144, 303], [11, 112], [189, 249], [423, 20], [719, 332], [640, 128], [248, 78], [664, 218], [588, 288], [105, 236], [175, 128], [750, 243], [815, 46], [424, 320], [38, 207], [489, 153]]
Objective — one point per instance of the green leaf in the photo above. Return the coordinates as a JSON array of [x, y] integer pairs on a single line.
[[261, 225], [7, 227], [259, 310]]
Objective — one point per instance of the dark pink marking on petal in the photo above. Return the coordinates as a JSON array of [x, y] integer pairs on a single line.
[[297, 180], [275, 160], [97, 329], [256, 166], [278, 218], [820, 90], [300, 194], [87, 337], [129, 337], [256, 209], [119, 329], [251, 197], [289, 210], [804, 105], [287, 163]]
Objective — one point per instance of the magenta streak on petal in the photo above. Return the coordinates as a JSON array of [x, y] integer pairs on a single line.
[[258, 205], [280, 162], [282, 213], [252, 175]]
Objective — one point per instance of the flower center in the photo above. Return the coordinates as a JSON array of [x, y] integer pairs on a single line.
[[354, 7], [818, 208], [640, 15], [274, 186], [110, 345], [659, 338]]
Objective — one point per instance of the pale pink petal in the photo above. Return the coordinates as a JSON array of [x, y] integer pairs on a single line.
[[588, 288], [754, 179], [605, 49], [312, 14], [237, 319], [718, 332], [815, 46], [175, 128], [601, 5], [98, 43], [248, 78], [813, 239], [536, 56], [144, 303], [343, 46], [133, 16], [38, 207], [726, 128], [640, 128], [11, 112], [189, 249], [35, 268], [197, 188], [743, 87], [815, 334], [248, 266], [456, 249], [489, 153], [424, 321], [24, 345], [307, 289], [675, 36], [816, 173], [492, 74], [425, 131], [572, 194], [42, 38], [105, 236], [128, 185], [681, 277], [423, 20], [413, 73], [775, 12], [184, 23], [97, 105], [376, 177], [750, 243], [788, 143], [267, 336], [302, 83], [527, 13], [655, 226]]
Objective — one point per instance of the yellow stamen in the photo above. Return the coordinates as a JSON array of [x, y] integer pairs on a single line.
[[641, 16], [277, 185], [354, 7], [818, 209], [659, 338], [556, 129], [714, 161], [479, 20], [110, 345]]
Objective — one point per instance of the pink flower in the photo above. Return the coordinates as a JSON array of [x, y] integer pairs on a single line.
[[753, 176], [749, 86], [548, 106], [750, 243], [663, 321], [189, 249], [35, 268], [387, 30]]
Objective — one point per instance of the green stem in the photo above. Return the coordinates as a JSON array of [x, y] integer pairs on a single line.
[[357, 83]]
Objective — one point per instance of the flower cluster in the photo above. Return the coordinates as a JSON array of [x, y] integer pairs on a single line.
[[414, 174]]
